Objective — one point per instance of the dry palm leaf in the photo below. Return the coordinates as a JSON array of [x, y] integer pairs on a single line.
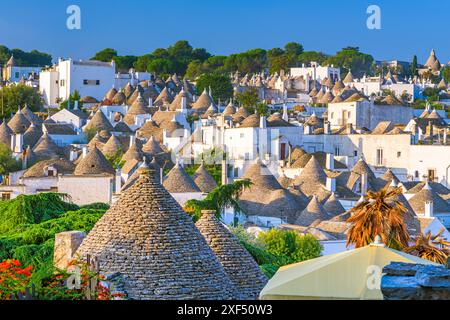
[[379, 214], [433, 248]]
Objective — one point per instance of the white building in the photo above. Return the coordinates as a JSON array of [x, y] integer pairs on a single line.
[[89, 78], [367, 114], [317, 72], [13, 73]]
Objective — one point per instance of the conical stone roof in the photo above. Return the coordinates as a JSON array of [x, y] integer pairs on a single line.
[[239, 265], [203, 179], [417, 202], [203, 102], [31, 116], [133, 152], [164, 98], [94, 163], [333, 206], [99, 122], [178, 181], [19, 123], [5, 134], [152, 147], [349, 77], [154, 245], [112, 147], [313, 214], [46, 148], [111, 94], [137, 108], [32, 135], [312, 173]]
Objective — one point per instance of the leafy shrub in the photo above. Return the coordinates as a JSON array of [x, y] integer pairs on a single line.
[[269, 270], [32, 209], [291, 244]]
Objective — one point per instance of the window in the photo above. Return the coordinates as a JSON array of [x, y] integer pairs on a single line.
[[349, 114], [431, 175], [355, 153], [311, 149], [6, 196], [332, 115], [62, 82], [399, 154], [242, 135], [50, 173], [379, 159], [337, 151], [416, 174], [17, 75], [91, 82], [236, 172]]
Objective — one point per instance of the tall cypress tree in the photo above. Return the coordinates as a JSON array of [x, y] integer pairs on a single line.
[[414, 66]]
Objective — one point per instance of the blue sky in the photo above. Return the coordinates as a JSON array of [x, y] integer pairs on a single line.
[[226, 26]]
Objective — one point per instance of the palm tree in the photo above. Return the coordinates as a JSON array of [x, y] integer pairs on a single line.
[[379, 214], [218, 199], [433, 248]]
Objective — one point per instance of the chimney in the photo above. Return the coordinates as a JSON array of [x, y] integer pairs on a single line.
[[118, 181], [18, 143], [289, 155], [430, 125], [73, 155], [132, 140], [285, 113], [307, 129], [66, 244], [150, 102], [364, 183], [262, 122], [327, 128], [330, 161], [224, 171], [85, 151], [350, 129], [331, 184], [13, 142], [183, 103], [429, 209], [25, 156]]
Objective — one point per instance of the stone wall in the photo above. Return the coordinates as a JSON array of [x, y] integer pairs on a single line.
[[406, 281], [66, 244]]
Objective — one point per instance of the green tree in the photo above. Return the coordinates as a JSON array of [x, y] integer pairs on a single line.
[[290, 244], [200, 54], [414, 66], [293, 49], [220, 198], [220, 84], [194, 69], [14, 96], [125, 63], [160, 66], [350, 58], [7, 162], [278, 63], [105, 55], [142, 62], [446, 74], [75, 96], [248, 99], [262, 109], [308, 56]]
